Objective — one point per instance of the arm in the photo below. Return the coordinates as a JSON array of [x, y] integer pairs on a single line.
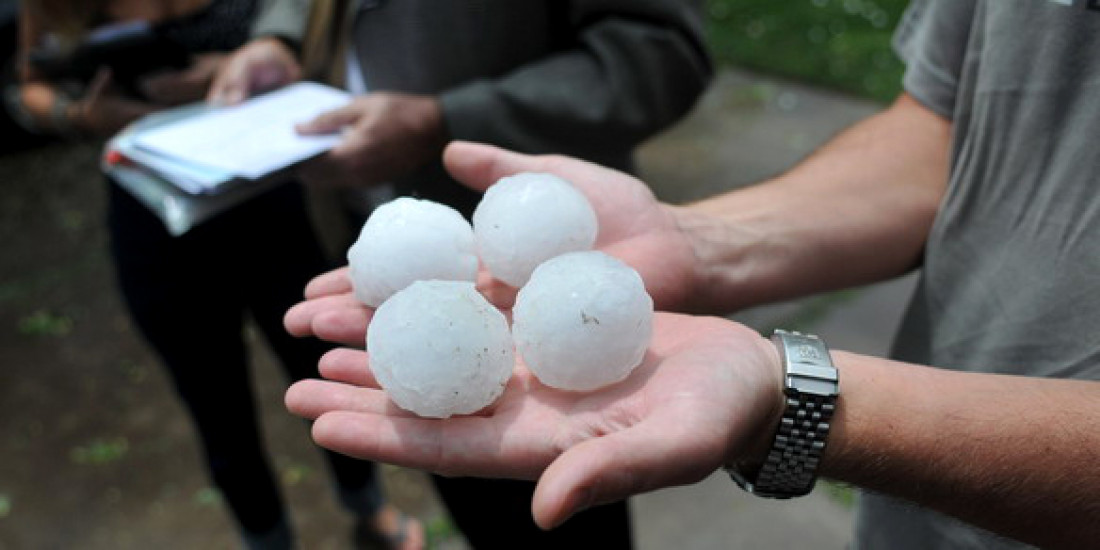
[[633, 68], [983, 447], [856, 211], [46, 108], [1012, 454]]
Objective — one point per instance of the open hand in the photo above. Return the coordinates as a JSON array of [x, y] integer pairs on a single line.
[[707, 393], [633, 226]]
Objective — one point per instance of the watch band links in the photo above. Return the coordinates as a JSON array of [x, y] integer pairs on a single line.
[[811, 389]]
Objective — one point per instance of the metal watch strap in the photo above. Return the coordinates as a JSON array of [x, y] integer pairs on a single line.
[[811, 389]]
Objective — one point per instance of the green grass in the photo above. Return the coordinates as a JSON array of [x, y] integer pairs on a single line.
[[842, 44]]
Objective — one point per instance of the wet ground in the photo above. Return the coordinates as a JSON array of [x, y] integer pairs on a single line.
[[96, 452]]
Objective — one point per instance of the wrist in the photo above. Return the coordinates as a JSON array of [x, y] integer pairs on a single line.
[[810, 393], [434, 125], [717, 276], [755, 451]]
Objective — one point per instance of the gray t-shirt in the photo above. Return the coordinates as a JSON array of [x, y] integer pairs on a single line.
[[1011, 274]]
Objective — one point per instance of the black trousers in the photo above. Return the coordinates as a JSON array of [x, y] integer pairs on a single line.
[[189, 295]]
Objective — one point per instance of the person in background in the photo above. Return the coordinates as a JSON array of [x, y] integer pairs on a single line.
[[191, 317], [588, 78], [982, 174]]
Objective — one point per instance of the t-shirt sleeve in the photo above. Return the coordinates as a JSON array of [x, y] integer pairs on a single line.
[[932, 39]]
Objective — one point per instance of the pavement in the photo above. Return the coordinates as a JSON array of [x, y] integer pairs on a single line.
[[97, 452]]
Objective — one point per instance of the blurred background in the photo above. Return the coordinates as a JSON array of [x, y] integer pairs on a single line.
[[96, 451]]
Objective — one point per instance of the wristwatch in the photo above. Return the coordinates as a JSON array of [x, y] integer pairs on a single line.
[[811, 386]]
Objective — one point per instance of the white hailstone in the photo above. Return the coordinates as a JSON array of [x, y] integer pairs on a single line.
[[407, 240], [583, 321], [527, 219], [438, 348]]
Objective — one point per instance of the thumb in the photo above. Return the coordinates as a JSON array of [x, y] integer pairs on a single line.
[[644, 457], [478, 165], [331, 121]]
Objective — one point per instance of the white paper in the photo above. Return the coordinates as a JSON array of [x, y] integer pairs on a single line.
[[254, 138]]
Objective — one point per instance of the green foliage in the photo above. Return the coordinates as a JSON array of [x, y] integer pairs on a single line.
[[843, 44], [439, 531], [294, 474], [45, 323], [100, 451], [207, 496], [840, 493]]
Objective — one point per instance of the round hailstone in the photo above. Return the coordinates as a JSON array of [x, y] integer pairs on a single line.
[[407, 240], [527, 219], [583, 321], [438, 348]]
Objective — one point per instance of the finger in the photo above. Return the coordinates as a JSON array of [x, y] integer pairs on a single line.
[[99, 84], [332, 121], [647, 456], [337, 281], [326, 312], [348, 366], [230, 85], [469, 445], [497, 292], [343, 326], [311, 398], [478, 166]]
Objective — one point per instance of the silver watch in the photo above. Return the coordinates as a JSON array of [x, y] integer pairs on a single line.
[[811, 386]]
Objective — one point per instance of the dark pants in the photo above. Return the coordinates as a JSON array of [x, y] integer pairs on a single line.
[[189, 295], [496, 513]]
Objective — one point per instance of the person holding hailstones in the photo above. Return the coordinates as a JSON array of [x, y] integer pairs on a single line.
[[982, 174]]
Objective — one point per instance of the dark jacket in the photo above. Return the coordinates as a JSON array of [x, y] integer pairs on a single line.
[[587, 78]]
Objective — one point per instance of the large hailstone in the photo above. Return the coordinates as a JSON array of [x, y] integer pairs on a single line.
[[438, 348], [527, 219], [583, 321], [407, 240]]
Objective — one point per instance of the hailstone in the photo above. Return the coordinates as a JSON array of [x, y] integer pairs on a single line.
[[438, 348], [527, 219], [583, 321], [407, 240]]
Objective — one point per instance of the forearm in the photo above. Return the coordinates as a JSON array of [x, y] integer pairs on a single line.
[[856, 211], [1012, 454]]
